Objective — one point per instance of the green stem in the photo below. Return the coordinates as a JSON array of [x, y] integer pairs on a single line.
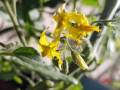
[[14, 7], [103, 21], [41, 7], [13, 19], [6, 53], [69, 45], [74, 4]]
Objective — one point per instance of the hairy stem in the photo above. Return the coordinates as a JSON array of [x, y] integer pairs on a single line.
[[13, 19], [14, 7]]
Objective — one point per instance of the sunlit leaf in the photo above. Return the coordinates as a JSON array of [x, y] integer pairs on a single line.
[[75, 87], [90, 2], [43, 70], [17, 79], [59, 86]]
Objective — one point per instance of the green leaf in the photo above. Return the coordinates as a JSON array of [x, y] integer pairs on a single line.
[[43, 70], [75, 87], [6, 66], [27, 52], [59, 86], [90, 2], [17, 79]]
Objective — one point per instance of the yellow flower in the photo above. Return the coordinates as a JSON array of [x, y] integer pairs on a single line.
[[73, 25], [49, 48], [59, 18]]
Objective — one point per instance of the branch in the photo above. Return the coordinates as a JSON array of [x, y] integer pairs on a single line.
[[109, 11], [13, 19]]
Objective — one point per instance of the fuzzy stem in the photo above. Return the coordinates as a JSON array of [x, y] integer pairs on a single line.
[[13, 19]]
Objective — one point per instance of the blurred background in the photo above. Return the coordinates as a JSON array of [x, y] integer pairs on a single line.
[[35, 16]]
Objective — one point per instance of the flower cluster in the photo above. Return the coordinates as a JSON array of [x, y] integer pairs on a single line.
[[71, 25]]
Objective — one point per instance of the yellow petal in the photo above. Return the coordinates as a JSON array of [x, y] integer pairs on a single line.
[[77, 18], [40, 48], [55, 44], [43, 40], [89, 28]]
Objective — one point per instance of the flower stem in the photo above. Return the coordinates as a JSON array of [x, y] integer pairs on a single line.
[[74, 4], [14, 7], [13, 19], [6, 53]]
